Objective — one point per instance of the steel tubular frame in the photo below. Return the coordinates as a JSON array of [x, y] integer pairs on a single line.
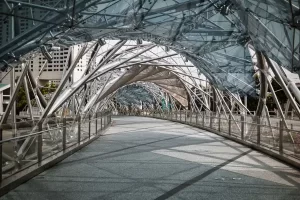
[[88, 98], [96, 98]]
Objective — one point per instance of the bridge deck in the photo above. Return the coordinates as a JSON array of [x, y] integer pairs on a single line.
[[144, 158]]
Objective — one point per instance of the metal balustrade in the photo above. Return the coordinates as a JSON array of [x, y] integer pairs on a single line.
[[271, 138], [46, 144]]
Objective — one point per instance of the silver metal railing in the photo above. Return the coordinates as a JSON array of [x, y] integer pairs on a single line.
[[29, 149], [258, 132]]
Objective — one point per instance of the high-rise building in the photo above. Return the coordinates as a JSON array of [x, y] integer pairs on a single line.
[[20, 20], [53, 71]]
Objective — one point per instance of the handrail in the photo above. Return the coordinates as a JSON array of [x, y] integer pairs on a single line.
[[260, 135], [56, 144]]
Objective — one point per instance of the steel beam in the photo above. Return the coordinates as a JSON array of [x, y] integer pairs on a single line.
[[14, 95], [28, 98], [283, 85]]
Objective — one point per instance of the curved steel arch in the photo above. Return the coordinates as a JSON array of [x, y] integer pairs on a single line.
[[214, 35], [210, 36]]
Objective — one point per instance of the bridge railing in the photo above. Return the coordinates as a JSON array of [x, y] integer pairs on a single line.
[[35, 147], [271, 136]]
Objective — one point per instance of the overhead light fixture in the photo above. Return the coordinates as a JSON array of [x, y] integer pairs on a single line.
[[45, 53], [101, 42], [167, 49], [225, 8], [55, 48]]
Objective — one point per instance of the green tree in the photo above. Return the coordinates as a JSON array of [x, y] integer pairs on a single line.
[[21, 100], [21, 95], [48, 88]]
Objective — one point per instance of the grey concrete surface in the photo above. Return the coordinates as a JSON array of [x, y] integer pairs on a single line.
[[144, 158]]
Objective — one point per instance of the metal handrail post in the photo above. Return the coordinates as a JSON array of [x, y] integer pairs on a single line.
[[281, 137], [64, 132], [79, 129], [258, 129], [101, 121], [40, 143], [242, 127], [219, 122], [89, 126], [210, 119], [1, 158], [96, 123], [229, 125], [180, 115]]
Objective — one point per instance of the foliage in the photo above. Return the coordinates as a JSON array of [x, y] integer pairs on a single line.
[[21, 95], [253, 101], [48, 88], [21, 100]]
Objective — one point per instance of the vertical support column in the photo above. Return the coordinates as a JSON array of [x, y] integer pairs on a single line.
[[40, 143], [79, 129], [64, 136], [185, 115], [191, 116], [258, 129], [229, 125], [196, 118], [89, 126], [281, 137], [203, 118], [242, 126]]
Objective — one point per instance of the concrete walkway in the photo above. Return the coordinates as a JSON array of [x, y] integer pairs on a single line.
[[144, 158]]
